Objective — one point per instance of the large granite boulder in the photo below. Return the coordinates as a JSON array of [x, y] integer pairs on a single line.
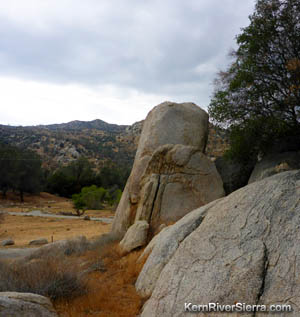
[[275, 163], [178, 179], [162, 247], [170, 176], [13, 304], [243, 248]]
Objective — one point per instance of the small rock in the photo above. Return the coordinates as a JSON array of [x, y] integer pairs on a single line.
[[40, 241], [86, 218], [6, 242], [25, 304], [135, 237]]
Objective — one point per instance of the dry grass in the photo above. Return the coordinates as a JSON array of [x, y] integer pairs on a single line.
[[48, 277], [24, 229], [110, 293], [47, 203]]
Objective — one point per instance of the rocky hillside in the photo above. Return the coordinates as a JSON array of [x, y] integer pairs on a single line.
[[59, 144]]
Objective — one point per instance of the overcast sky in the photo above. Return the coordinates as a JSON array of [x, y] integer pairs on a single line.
[[63, 60]]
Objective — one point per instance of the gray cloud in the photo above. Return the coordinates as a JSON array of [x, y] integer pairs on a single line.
[[170, 47]]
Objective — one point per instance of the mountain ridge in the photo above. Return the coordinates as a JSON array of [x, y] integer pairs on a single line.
[[99, 141]]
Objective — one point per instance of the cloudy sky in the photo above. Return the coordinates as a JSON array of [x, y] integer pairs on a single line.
[[63, 60]]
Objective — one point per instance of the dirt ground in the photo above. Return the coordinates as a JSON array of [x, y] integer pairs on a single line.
[[23, 229]]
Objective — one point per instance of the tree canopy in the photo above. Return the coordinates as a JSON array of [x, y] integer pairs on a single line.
[[70, 179], [258, 96], [19, 170]]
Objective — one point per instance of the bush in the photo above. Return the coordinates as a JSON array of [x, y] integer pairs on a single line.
[[60, 249], [91, 197], [47, 277]]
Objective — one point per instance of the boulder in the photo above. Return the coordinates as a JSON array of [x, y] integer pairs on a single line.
[[275, 163], [40, 241], [7, 242], [162, 247], [25, 305], [136, 236], [170, 176], [244, 248], [178, 179]]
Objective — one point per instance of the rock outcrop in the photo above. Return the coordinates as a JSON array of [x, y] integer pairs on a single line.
[[242, 248], [275, 163], [25, 305], [171, 176]]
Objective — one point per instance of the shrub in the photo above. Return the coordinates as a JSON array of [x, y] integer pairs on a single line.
[[111, 292], [60, 249], [48, 277], [90, 197], [103, 242]]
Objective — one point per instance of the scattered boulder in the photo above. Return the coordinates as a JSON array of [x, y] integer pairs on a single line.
[[40, 241], [25, 305], [170, 176], [86, 217], [244, 248], [274, 164], [7, 242], [136, 236]]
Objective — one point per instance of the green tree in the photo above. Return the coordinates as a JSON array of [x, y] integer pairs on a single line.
[[71, 178], [29, 173], [90, 197], [112, 175], [8, 167], [19, 170], [258, 96]]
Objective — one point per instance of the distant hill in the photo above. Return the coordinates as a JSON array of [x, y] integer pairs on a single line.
[[99, 141], [82, 125]]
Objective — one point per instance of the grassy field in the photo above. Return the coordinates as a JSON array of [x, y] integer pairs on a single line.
[[23, 229], [72, 280]]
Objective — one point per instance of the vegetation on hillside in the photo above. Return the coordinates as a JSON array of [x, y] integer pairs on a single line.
[[258, 96], [60, 144], [21, 170], [70, 179]]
